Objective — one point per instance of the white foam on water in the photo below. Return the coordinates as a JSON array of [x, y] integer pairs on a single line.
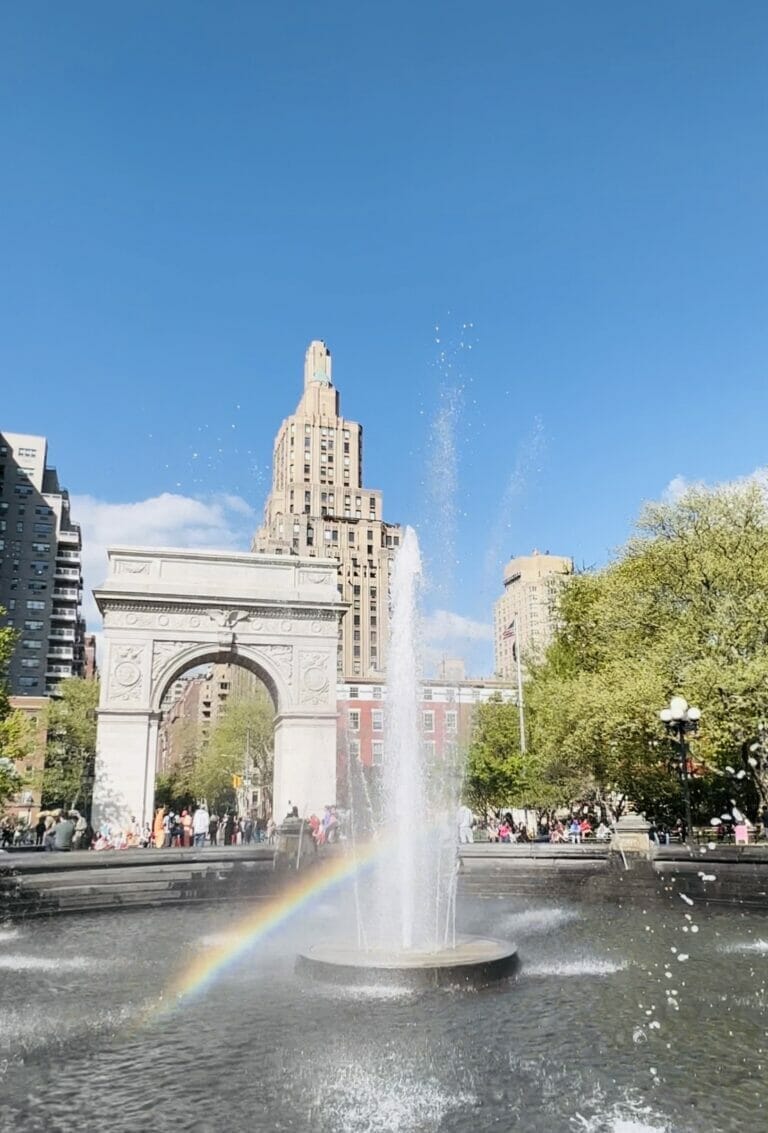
[[22, 963], [364, 991], [7, 934], [760, 946], [532, 921], [215, 940], [622, 1117], [385, 1100], [585, 967]]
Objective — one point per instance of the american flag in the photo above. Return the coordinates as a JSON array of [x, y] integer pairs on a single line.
[[509, 632]]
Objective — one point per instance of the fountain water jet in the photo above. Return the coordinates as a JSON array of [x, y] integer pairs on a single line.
[[406, 928]]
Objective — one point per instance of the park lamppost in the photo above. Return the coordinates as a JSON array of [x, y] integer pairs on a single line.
[[682, 719]]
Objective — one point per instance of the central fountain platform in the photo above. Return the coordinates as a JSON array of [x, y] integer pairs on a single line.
[[475, 962]]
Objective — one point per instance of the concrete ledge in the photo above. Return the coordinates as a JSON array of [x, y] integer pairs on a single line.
[[546, 851], [700, 852], [39, 884], [30, 861]]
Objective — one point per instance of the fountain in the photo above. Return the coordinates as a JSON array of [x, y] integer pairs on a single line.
[[406, 920]]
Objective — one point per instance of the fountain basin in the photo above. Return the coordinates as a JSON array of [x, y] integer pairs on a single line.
[[475, 962]]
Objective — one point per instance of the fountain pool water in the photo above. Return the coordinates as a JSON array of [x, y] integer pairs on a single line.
[[406, 915], [586, 1039]]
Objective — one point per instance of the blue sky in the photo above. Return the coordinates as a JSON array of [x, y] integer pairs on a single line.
[[576, 192]]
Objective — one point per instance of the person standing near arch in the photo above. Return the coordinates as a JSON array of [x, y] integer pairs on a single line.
[[200, 823]]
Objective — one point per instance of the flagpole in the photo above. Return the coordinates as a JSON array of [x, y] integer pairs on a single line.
[[520, 708]]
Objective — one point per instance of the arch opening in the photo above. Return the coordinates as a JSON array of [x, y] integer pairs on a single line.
[[214, 749]]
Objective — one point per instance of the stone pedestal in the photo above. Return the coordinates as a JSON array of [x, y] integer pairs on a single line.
[[631, 836], [290, 833]]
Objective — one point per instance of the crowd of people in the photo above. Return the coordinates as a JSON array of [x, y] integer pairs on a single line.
[[54, 830], [62, 830], [198, 827], [500, 826], [325, 829]]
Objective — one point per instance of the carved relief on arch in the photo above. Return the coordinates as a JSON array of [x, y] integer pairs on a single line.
[[131, 566], [281, 657], [314, 681], [126, 672], [162, 653]]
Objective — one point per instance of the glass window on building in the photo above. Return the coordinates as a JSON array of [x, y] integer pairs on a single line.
[[377, 720], [428, 721], [377, 753], [354, 719]]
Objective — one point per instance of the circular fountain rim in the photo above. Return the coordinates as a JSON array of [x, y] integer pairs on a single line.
[[476, 961]]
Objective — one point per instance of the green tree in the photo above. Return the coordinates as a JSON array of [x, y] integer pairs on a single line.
[[173, 790], [71, 747], [497, 773], [16, 732], [11, 780], [8, 639], [18, 741], [683, 609], [241, 742]]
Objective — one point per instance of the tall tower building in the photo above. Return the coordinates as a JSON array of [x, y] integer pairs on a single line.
[[318, 506], [524, 616], [41, 583]]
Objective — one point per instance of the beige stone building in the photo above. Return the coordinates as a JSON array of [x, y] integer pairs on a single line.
[[524, 616], [318, 506], [192, 706]]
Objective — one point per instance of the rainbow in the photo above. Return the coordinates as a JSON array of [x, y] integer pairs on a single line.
[[268, 917]]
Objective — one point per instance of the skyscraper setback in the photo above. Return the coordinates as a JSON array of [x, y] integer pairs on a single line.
[[318, 507], [41, 583]]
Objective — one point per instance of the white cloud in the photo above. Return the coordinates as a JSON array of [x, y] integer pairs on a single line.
[[220, 523], [678, 485], [446, 634], [443, 625]]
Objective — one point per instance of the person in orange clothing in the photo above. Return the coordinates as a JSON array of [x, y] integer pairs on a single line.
[[186, 822], [158, 831]]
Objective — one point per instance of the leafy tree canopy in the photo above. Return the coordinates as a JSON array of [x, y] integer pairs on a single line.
[[242, 737], [497, 773], [71, 747], [683, 609], [8, 638]]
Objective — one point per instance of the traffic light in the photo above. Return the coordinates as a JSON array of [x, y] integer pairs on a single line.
[[237, 782]]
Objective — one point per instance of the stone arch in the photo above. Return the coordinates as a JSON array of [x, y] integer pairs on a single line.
[[168, 610]]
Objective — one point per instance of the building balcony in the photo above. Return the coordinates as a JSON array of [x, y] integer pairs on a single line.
[[62, 634], [70, 536], [67, 555], [63, 614], [67, 593], [64, 652], [58, 671], [67, 572]]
